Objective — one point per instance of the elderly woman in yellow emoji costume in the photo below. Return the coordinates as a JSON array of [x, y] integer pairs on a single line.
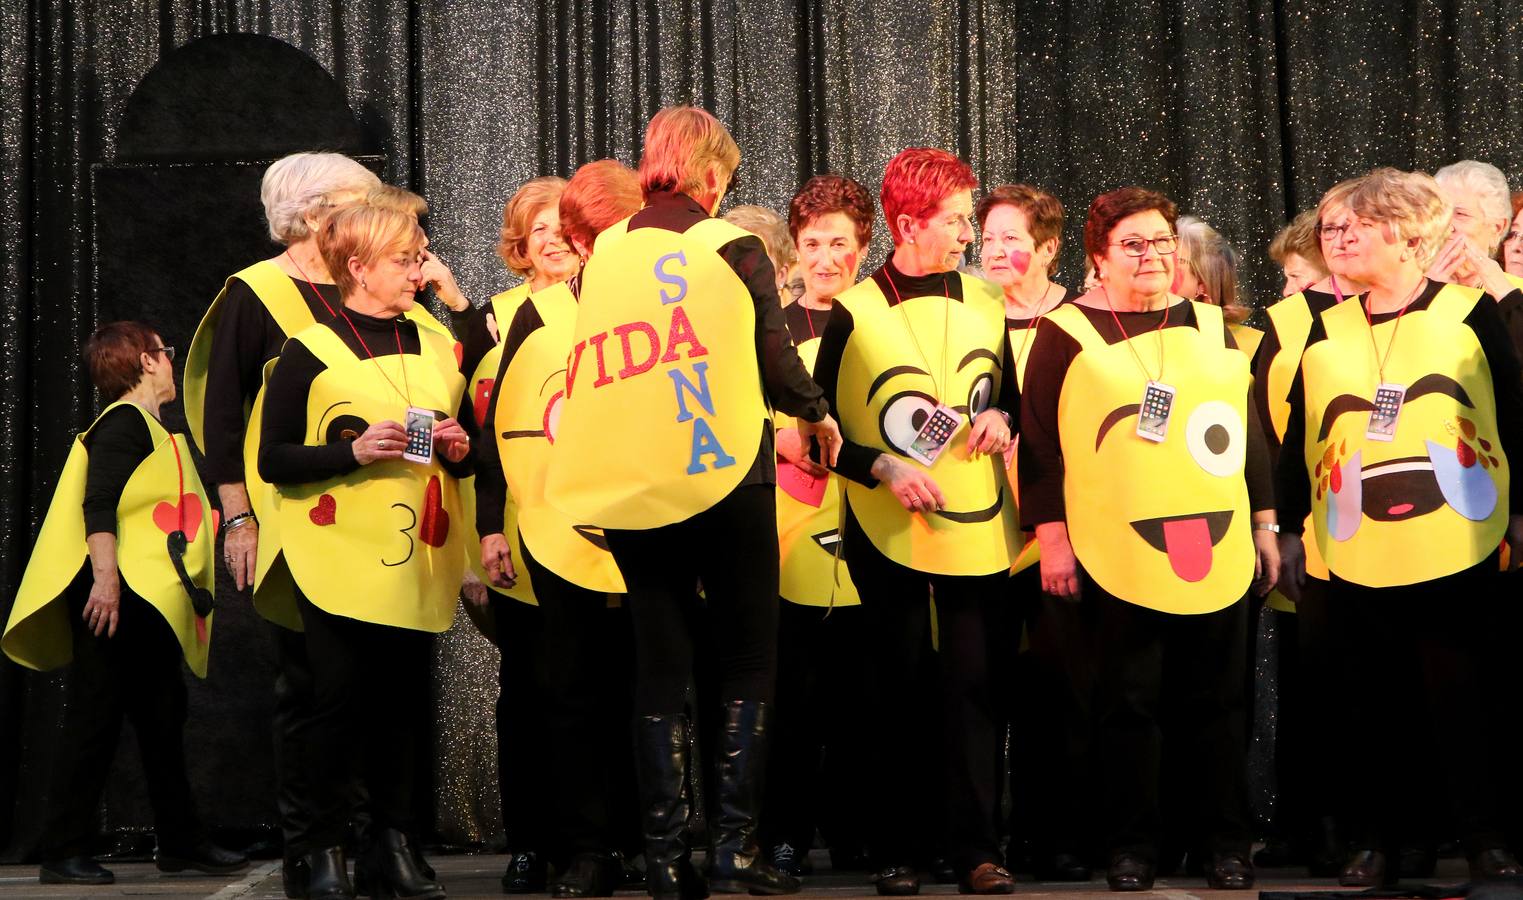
[[915, 361], [1405, 416], [1149, 487], [119, 584], [361, 439]]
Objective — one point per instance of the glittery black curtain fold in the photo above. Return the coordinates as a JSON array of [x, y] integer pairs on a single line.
[[1243, 111]]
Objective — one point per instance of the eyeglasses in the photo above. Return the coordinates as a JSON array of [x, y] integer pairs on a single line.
[[1164, 244], [169, 352], [1512, 236]]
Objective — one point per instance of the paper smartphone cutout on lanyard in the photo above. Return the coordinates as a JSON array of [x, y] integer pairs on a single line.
[[1388, 400], [1153, 419], [935, 434], [420, 435]]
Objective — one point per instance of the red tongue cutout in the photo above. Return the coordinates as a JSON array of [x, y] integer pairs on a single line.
[[1189, 546], [800, 485]]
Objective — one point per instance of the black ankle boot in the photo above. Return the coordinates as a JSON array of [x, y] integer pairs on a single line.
[[328, 875], [736, 864], [661, 748], [394, 870]]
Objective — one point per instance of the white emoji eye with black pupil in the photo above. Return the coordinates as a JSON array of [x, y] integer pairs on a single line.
[[903, 416], [553, 414], [978, 397], [1216, 438]]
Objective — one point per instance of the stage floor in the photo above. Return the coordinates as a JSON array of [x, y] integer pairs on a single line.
[[476, 876]]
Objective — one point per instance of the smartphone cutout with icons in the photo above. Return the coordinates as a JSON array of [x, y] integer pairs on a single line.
[[420, 435]]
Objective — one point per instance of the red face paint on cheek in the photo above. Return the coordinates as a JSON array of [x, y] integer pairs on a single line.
[[1021, 259], [849, 263]]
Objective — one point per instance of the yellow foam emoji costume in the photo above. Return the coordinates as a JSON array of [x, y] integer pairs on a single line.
[[161, 496], [529, 402], [1433, 501], [664, 408], [384, 543], [898, 363], [1163, 525], [1020, 349]]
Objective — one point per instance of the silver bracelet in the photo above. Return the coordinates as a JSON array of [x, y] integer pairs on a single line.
[[1266, 526]]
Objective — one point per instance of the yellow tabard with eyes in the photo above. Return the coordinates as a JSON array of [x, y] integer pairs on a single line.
[[37, 635], [1433, 501], [809, 526], [1020, 348], [1163, 525], [664, 409], [898, 363], [504, 308], [384, 543], [529, 402]]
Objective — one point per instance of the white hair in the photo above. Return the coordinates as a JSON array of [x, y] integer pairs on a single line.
[[298, 184], [1484, 180]]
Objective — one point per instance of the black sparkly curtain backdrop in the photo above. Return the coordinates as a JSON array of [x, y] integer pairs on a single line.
[[1243, 111]]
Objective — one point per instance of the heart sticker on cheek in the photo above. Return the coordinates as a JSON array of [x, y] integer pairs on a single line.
[[433, 530], [167, 516], [325, 512]]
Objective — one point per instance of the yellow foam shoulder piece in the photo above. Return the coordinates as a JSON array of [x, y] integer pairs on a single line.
[[37, 635]]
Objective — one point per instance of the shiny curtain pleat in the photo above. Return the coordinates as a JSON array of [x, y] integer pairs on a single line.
[[1243, 112]]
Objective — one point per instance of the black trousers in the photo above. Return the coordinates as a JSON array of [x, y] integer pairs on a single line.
[[1169, 687], [731, 549], [978, 629], [523, 721], [1425, 653], [817, 767], [135, 675], [369, 710], [293, 700], [588, 653], [1309, 694], [1052, 726]]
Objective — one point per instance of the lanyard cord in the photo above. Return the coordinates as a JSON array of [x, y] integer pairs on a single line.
[[1128, 338], [179, 470], [946, 322], [1381, 360], [401, 357], [320, 297], [1035, 321]]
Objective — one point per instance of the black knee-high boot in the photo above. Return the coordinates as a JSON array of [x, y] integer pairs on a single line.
[[735, 864], [662, 758]]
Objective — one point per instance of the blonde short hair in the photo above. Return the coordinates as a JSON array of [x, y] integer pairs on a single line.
[[302, 183], [1488, 183], [400, 199], [536, 195], [1215, 264], [1337, 195], [1299, 238], [1410, 202], [771, 228], [681, 142], [365, 233]]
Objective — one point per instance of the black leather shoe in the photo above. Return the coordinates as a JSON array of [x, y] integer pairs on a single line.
[[1367, 868], [1495, 864], [74, 870], [525, 873], [1230, 872], [394, 871], [1064, 867], [1129, 872], [790, 860], [293, 877], [590, 875], [203, 857], [736, 864], [897, 881], [987, 878], [329, 875], [661, 756]]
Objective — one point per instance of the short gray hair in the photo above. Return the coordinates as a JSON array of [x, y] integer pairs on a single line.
[[298, 184], [1484, 180]]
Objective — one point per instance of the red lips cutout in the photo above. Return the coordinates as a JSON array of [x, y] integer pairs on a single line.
[[800, 485], [167, 516], [433, 530], [325, 512]]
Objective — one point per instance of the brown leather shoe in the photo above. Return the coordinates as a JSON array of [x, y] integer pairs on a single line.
[[988, 878]]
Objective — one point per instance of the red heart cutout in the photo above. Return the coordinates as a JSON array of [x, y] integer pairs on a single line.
[[800, 485], [167, 516], [325, 512], [434, 529]]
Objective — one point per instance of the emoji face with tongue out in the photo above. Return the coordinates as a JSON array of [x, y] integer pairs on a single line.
[[1429, 502], [1160, 524]]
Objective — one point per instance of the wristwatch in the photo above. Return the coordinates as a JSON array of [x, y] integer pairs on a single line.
[[1266, 526]]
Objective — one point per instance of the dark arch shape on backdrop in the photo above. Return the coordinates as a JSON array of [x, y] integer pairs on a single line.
[[173, 215]]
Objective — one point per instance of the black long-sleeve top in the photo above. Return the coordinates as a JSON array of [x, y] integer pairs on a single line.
[[491, 484], [1485, 320], [117, 445], [246, 338], [856, 460], [1041, 450], [284, 457], [1318, 302]]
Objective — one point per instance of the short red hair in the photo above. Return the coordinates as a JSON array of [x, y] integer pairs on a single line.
[[826, 194], [598, 195], [114, 356], [917, 180]]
